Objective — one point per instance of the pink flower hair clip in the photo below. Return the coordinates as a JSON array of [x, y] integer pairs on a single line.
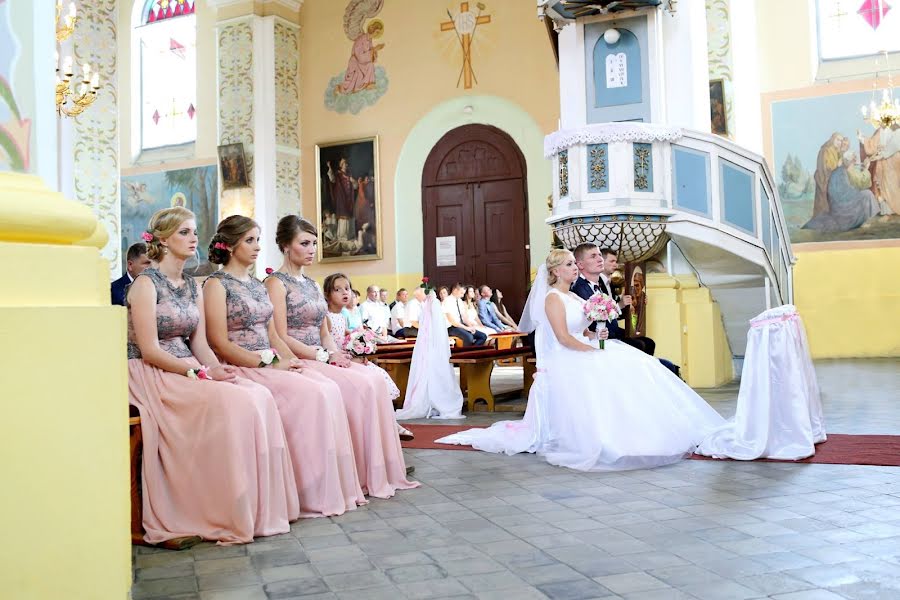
[[147, 236], [269, 270], [221, 246]]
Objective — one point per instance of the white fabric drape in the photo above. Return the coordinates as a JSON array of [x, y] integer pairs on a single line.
[[602, 133], [779, 411], [432, 392]]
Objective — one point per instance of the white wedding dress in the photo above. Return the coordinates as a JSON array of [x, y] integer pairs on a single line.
[[606, 410]]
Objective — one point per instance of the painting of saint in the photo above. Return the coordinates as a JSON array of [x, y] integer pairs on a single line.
[[348, 204], [363, 82], [883, 149], [717, 115]]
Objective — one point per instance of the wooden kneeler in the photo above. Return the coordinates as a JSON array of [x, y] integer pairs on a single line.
[[136, 446], [475, 370]]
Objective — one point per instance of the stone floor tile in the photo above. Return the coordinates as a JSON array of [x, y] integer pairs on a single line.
[[324, 541], [292, 588], [345, 565], [458, 568], [484, 582], [627, 583], [273, 574], [163, 559], [165, 572], [440, 588], [279, 558], [245, 593], [356, 581], [231, 579], [722, 590], [158, 588], [655, 560], [809, 595], [577, 589], [661, 594], [548, 574], [338, 553], [207, 551], [826, 575], [774, 583], [223, 565], [412, 573]]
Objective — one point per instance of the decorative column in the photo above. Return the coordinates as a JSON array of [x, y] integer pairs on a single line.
[[64, 406], [259, 106]]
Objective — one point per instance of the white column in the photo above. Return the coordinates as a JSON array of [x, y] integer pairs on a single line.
[[572, 100], [686, 66], [265, 202], [745, 77]]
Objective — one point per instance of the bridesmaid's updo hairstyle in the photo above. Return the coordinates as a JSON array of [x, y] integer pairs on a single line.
[[556, 257], [331, 281], [163, 224], [228, 234], [289, 227]]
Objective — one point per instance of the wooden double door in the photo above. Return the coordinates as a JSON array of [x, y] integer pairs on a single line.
[[474, 193]]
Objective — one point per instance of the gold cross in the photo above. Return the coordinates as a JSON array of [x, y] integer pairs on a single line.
[[838, 15], [465, 40]]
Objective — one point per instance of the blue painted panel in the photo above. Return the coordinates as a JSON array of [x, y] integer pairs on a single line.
[[598, 167], [607, 58], [690, 180], [628, 103], [643, 167], [766, 219], [738, 197]]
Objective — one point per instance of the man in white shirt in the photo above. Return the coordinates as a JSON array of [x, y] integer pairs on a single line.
[[414, 310], [398, 314], [375, 314], [454, 309]]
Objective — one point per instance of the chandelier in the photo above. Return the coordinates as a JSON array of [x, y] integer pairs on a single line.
[[71, 101]]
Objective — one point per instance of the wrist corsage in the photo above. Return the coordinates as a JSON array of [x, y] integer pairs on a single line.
[[268, 357], [201, 373], [322, 355]]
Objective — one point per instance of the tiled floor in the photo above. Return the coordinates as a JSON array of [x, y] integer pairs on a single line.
[[486, 526]]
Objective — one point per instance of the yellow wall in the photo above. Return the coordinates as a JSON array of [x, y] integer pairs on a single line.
[[512, 59], [64, 509], [846, 286], [850, 301]]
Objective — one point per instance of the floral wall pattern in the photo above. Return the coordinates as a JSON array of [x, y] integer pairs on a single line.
[[287, 117], [235, 76], [718, 25], [96, 130]]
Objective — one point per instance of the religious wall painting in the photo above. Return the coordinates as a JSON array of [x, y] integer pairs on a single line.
[[465, 25], [717, 113], [838, 176], [195, 189], [15, 131], [348, 205], [364, 81], [233, 166]]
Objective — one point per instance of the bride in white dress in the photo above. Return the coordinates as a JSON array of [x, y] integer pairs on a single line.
[[592, 409]]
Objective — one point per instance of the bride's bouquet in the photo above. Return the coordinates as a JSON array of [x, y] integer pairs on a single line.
[[360, 342], [600, 308]]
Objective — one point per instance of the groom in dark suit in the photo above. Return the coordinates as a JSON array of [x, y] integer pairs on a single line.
[[137, 261], [596, 266]]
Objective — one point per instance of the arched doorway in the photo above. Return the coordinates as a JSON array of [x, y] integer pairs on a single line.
[[474, 192]]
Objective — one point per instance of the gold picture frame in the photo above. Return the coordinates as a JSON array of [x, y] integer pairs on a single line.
[[348, 200]]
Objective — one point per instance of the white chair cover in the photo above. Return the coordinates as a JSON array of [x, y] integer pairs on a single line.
[[779, 412], [433, 391]]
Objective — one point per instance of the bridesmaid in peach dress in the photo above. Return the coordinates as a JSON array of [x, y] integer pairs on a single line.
[[215, 463], [300, 310], [240, 329]]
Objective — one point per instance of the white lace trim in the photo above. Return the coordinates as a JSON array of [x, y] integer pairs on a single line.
[[602, 133]]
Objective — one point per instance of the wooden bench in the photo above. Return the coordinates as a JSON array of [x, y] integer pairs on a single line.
[[475, 368], [397, 366], [530, 370]]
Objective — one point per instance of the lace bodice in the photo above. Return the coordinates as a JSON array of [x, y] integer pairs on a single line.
[[306, 308], [177, 315], [249, 311]]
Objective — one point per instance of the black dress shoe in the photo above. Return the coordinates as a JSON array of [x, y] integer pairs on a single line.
[[410, 470]]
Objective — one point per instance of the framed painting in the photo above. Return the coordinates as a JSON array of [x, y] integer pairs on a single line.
[[348, 202], [233, 166], [717, 116]]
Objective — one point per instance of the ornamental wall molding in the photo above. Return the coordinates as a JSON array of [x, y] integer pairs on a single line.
[[604, 133]]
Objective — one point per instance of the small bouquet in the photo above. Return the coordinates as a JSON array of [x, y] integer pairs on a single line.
[[600, 308], [360, 342], [426, 286]]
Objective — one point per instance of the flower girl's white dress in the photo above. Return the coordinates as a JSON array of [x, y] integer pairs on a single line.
[[606, 410]]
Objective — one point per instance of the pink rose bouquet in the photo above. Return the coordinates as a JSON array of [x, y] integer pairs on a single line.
[[360, 342], [600, 308]]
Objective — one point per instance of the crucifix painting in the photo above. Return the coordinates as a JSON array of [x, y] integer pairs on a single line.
[[465, 25]]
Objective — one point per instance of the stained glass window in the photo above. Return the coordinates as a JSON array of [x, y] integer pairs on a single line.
[[851, 28], [168, 73]]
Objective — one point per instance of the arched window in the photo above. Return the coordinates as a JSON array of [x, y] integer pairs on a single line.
[[853, 28], [166, 82]]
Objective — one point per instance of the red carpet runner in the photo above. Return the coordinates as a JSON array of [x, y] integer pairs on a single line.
[[840, 449]]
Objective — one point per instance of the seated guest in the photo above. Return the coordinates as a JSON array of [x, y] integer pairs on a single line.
[[209, 435], [502, 314], [136, 262], [398, 314], [240, 329], [351, 311], [300, 311], [442, 293], [471, 303], [487, 310], [337, 290], [453, 308], [383, 297], [414, 312], [375, 314]]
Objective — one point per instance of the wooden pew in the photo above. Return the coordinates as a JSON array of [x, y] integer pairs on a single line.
[[475, 368]]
